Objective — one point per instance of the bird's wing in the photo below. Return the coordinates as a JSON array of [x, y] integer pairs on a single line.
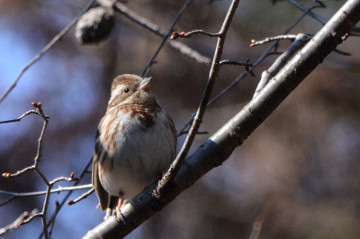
[[173, 129], [104, 197]]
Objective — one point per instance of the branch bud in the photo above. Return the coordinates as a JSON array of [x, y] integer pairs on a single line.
[[6, 175]]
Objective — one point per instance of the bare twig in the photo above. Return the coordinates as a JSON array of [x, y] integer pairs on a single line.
[[255, 232], [238, 63], [305, 10], [182, 48], [165, 38], [269, 51], [46, 49], [342, 52], [68, 179], [300, 41], [198, 133], [43, 214], [83, 196], [7, 201], [18, 222], [187, 124], [29, 219], [39, 193], [355, 31], [176, 35], [52, 225], [270, 39], [35, 167], [51, 221], [214, 151], [174, 167], [19, 172], [38, 111], [29, 112]]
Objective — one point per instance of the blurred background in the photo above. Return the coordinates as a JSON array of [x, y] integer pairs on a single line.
[[299, 170]]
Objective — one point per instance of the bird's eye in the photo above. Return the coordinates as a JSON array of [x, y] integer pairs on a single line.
[[126, 90]]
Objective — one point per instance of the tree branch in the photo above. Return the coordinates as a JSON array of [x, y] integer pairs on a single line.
[[46, 49], [299, 42], [182, 48], [218, 148], [39, 193], [214, 69], [268, 52], [290, 37], [189, 34], [165, 38], [15, 224]]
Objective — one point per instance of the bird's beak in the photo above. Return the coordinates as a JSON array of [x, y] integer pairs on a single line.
[[145, 84]]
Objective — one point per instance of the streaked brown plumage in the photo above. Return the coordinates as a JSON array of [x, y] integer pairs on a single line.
[[135, 141]]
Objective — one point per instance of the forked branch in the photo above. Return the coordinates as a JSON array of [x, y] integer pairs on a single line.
[[218, 148]]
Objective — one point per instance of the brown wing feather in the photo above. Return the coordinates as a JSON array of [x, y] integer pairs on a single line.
[[104, 197], [173, 129]]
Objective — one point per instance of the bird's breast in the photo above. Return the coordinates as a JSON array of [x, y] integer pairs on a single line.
[[140, 144]]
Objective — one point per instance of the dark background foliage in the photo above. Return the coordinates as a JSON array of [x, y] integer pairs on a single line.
[[299, 170]]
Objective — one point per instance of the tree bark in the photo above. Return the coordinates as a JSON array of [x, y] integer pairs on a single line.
[[218, 147]]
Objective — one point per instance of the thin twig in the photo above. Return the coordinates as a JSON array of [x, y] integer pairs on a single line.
[[46, 49], [174, 167], [270, 39], [36, 163], [305, 10], [40, 140], [39, 193], [18, 173], [68, 179], [29, 112], [38, 111], [81, 197], [43, 214], [51, 221], [238, 63], [342, 52], [165, 38], [18, 222], [140, 20], [46, 202], [52, 225], [176, 35], [227, 88], [29, 219], [301, 40], [198, 133], [184, 130], [354, 32], [255, 232], [268, 52], [7, 201]]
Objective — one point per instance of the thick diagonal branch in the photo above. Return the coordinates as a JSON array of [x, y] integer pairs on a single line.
[[218, 148]]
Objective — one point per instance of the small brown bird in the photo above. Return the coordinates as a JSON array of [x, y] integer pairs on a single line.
[[135, 142]]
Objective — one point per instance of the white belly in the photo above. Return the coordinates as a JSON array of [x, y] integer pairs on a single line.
[[141, 153]]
